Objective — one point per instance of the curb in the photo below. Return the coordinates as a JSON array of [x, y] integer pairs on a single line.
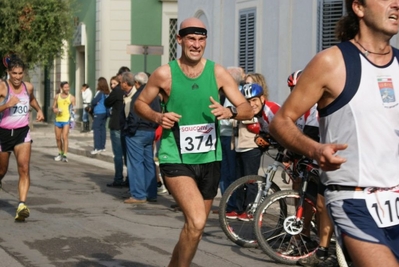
[[86, 153]]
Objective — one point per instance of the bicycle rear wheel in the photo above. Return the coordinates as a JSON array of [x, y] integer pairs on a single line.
[[242, 232], [278, 232]]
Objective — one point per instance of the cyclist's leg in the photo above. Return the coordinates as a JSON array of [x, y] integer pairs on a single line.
[[325, 224], [308, 209]]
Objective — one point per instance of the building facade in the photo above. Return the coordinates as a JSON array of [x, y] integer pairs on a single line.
[[104, 30], [271, 37]]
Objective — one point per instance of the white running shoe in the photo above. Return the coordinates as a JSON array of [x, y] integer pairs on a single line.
[[161, 190], [95, 151], [58, 158]]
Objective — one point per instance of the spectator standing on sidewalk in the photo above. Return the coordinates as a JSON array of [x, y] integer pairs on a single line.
[[140, 135], [228, 164], [115, 103], [100, 115], [16, 98], [190, 90], [128, 89], [114, 82], [87, 96], [63, 106]]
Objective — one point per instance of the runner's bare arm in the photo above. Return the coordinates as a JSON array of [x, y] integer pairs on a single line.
[[226, 83], [12, 101], [159, 83], [314, 86], [73, 102], [55, 108], [33, 102], [3, 94]]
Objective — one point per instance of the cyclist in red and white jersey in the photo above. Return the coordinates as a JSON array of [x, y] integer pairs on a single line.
[[264, 110]]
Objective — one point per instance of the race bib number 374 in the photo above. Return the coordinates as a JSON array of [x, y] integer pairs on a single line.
[[197, 138]]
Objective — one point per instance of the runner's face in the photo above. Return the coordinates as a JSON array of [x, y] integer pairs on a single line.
[[16, 76], [382, 16], [193, 46], [65, 89]]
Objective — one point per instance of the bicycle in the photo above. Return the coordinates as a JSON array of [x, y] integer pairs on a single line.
[[241, 232], [279, 221]]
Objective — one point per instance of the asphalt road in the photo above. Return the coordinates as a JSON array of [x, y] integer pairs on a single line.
[[77, 221]]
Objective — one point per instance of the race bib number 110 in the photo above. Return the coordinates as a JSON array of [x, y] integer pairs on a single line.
[[383, 207], [197, 138]]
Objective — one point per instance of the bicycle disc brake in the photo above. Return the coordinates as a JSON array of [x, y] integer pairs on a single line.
[[292, 226]]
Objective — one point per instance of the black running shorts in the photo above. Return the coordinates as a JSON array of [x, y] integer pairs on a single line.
[[10, 138], [206, 175]]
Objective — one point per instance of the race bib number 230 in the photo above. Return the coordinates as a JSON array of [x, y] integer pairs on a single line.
[[197, 138]]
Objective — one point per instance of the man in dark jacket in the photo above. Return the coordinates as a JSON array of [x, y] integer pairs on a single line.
[[140, 134], [115, 101]]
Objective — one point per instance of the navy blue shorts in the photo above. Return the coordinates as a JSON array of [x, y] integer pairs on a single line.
[[206, 175], [352, 218]]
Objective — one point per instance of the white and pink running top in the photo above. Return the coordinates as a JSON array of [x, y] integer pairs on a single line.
[[18, 115]]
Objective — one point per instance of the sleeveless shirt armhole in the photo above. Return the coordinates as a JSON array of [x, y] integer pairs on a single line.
[[395, 53], [353, 71], [8, 91], [26, 88]]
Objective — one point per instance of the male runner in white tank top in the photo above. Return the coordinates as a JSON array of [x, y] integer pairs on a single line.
[[356, 87]]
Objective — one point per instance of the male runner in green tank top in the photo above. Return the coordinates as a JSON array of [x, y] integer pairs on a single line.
[[190, 152]]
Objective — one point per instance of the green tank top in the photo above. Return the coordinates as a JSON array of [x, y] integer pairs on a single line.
[[195, 139]]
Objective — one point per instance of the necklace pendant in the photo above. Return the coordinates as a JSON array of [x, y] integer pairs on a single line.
[[366, 53]]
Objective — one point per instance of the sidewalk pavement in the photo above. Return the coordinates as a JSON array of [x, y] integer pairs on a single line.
[[79, 143]]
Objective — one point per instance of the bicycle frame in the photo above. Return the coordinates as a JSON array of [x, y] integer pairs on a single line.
[[304, 175], [269, 176]]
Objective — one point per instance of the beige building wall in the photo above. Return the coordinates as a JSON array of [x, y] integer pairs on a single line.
[[113, 34]]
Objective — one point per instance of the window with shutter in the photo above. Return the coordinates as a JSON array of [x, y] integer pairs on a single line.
[[330, 11], [246, 42]]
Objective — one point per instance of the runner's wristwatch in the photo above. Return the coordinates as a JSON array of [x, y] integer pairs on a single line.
[[233, 111]]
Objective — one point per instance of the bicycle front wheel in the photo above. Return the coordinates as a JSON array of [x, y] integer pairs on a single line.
[[279, 233], [237, 229]]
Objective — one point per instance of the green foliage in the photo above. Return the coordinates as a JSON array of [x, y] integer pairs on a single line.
[[35, 29]]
